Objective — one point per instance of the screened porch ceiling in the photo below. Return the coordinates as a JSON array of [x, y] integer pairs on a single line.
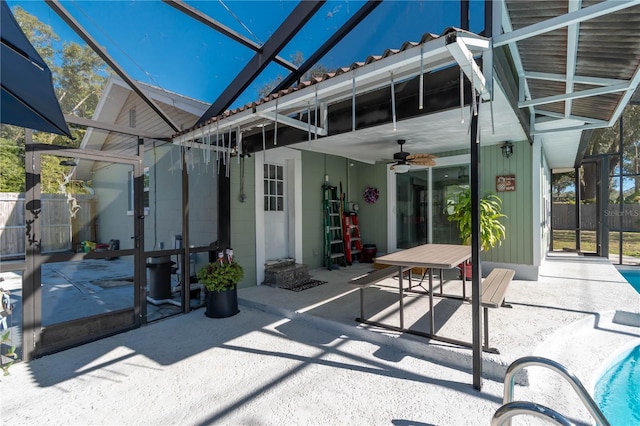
[[562, 67], [569, 78]]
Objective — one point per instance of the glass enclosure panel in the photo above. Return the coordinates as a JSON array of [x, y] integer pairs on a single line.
[[12, 324], [163, 225], [85, 208], [203, 202], [85, 205], [446, 182], [411, 205], [564, 240], [631, 248], [588, 243], [79, 289], [203, 212], [589, 215]]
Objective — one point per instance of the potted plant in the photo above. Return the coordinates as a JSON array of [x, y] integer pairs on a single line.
[[220, 280], [492, 230]]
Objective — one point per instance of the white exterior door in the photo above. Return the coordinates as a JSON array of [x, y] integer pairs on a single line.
[[278, 232], [275, 211]]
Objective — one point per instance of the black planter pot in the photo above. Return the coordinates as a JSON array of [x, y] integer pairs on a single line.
[[222, 304]]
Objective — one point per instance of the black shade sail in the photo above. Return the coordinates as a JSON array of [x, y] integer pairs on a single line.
[[28, 99]]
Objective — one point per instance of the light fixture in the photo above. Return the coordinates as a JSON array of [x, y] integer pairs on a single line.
[[507, 149], [401, 167]]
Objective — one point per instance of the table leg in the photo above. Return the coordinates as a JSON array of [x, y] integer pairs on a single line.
[[401, 284], [431, 325], [464, 281]]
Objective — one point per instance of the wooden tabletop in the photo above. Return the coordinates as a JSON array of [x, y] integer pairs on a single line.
[[441, 256]]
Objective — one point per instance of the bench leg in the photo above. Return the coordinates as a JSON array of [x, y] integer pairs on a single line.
[[486, 327], [362, 303], [486, 334]]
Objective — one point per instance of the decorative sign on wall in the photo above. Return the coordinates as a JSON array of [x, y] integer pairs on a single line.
[[505, 183]]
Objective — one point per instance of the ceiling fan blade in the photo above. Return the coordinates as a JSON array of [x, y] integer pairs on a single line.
[[423, 162], [420, 156]]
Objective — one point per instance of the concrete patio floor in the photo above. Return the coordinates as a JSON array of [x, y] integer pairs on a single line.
[[300, 357]]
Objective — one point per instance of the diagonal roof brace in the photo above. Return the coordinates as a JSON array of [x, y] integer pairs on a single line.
[[212, 23], [72, 119], [458, 48], [580, 79], [584, 14], [292, 122], [576, 95], [346, 28], [303, 12], [75, 26]]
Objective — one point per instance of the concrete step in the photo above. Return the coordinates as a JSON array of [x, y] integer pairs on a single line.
[[285, 274]]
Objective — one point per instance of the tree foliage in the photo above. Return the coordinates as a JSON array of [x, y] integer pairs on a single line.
[[79, 76], [297, 59], [11, 166], [607, 141], [562, 181]]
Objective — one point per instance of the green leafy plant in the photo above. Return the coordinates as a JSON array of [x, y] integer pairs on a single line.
[[10, 354], [220, 276], [492, 230]]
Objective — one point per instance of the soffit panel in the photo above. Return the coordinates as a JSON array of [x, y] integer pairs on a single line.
[[599, 107], [609, 46]]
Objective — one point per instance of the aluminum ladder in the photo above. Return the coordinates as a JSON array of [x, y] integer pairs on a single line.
[[333, 237]]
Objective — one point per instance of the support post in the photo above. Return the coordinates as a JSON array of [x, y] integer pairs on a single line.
[[224, 207], [31, 290], [476, 317], [185, 267]]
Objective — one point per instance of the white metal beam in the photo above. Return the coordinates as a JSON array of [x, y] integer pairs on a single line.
[[85, 122], [580, 79], [561, 21], [573, 128], [633, 85], [376, 74], [575, 95], [572, 54], [464, 58], [291, 122], [570, 117]]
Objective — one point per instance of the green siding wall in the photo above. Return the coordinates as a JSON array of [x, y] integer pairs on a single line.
[[354, 177], [517, 205], [243, 220], [372, 217], [315, 167]]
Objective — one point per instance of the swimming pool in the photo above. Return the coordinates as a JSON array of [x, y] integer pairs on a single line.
[[617, 391], [632, 276]]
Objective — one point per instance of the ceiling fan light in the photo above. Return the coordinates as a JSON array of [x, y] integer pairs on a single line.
[[401, 168]]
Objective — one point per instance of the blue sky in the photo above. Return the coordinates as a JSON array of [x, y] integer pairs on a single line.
[[159, 45]]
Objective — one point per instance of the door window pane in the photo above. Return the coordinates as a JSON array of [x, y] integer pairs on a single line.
[[274, 187]]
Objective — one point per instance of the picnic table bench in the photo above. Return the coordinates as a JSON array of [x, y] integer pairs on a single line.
[[494, 288]]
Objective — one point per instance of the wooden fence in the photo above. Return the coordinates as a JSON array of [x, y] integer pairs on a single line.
[[59, 231], [564, 217]]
